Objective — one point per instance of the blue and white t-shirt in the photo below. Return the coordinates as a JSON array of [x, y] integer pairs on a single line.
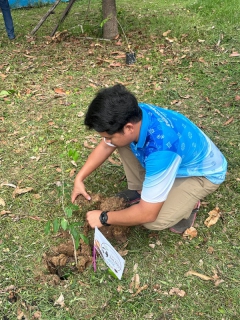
[[171, 146]]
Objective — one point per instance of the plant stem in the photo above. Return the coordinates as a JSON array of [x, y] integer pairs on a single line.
[[74, 247], [75, 251]]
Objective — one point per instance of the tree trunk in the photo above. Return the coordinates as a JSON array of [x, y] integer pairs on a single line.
[[110, 26]]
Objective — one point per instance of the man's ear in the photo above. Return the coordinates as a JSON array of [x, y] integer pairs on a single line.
[[129, 127]]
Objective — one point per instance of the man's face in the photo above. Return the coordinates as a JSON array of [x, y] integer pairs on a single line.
[[115, 140], [120, 139]]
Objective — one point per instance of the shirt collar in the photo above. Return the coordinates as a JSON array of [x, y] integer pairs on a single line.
[[143, 131]]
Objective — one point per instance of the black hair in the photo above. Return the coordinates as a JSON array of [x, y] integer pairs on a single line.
[[112, 109]]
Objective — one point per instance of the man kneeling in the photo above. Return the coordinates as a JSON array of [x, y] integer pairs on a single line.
[[170, 164]]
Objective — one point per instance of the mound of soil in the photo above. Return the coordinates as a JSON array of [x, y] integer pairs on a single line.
[[118, 233], [61, 260]]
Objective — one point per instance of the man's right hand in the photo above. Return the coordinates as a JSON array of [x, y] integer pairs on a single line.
[[95, 159], [79, 188]]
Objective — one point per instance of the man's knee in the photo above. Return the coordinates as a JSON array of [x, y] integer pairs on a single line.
[[157, 225]]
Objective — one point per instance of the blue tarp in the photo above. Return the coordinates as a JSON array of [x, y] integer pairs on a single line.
[[28, 3]]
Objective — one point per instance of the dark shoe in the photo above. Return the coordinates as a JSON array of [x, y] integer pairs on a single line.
[[11, 37], [130, 196], [184, 224]]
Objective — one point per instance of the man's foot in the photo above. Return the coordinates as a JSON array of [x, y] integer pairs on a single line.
[[11, 37], [130, 196], [184, 224]]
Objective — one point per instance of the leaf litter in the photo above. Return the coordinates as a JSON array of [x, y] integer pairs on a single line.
[[2, 202], [215, 278], [214, 215]]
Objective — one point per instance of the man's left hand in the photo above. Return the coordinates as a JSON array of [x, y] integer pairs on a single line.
[[92, 218]]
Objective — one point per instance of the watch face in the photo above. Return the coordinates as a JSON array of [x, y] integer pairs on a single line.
[[104, 218]]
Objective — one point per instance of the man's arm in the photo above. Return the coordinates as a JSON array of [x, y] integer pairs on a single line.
[[137, 214], [95, 159]]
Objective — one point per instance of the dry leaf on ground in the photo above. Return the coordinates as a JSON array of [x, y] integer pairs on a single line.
[[37, 315], [135, 267], [152, 245], [60, 301], [166, 33], [9, 288], [2, 202], [80, 114], [228, 121], [3, 212], [72, 173], [135, 282], [199, 275], [18, 191], [21, 315], [210, 250], [59, 91], [117, 163], [234, 54], [8, 185], [140, 290], [177, 291], [190, 233], [214, 215], [86, 145], [123, 253]]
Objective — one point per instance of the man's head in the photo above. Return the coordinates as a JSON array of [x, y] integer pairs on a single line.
[[112, 109]]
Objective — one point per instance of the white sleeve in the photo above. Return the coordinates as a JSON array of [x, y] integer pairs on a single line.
[[156, 187]]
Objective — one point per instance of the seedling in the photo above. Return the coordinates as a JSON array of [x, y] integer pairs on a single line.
[[67, 222]]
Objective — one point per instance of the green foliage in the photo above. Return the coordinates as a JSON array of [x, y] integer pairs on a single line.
[[104, 21], [6, 93], [67, 224], [72, 153]]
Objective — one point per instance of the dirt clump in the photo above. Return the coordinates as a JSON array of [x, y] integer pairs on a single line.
[[61, 260], [118, 233]]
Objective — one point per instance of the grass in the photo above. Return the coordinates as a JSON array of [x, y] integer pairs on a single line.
[[38, 127]]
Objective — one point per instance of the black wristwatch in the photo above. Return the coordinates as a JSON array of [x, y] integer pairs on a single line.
[[104, 218]]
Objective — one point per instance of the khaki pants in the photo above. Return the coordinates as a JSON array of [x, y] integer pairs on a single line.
[[181, 199]]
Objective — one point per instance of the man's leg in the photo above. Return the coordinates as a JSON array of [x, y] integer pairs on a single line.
[[7, 18], [135, 173], [182, 198]]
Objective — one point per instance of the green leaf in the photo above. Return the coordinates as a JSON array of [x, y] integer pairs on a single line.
[[84, 238], [47, 228], [70, 152], [68, 212], [76, 236], [4, 93], [74, 207], [77, 224], [75, 156], [104, 21], [64, 224], [11, 91], [76, 241], [56, 225]]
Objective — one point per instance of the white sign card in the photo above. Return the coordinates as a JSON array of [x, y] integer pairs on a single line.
[[110, 256]]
